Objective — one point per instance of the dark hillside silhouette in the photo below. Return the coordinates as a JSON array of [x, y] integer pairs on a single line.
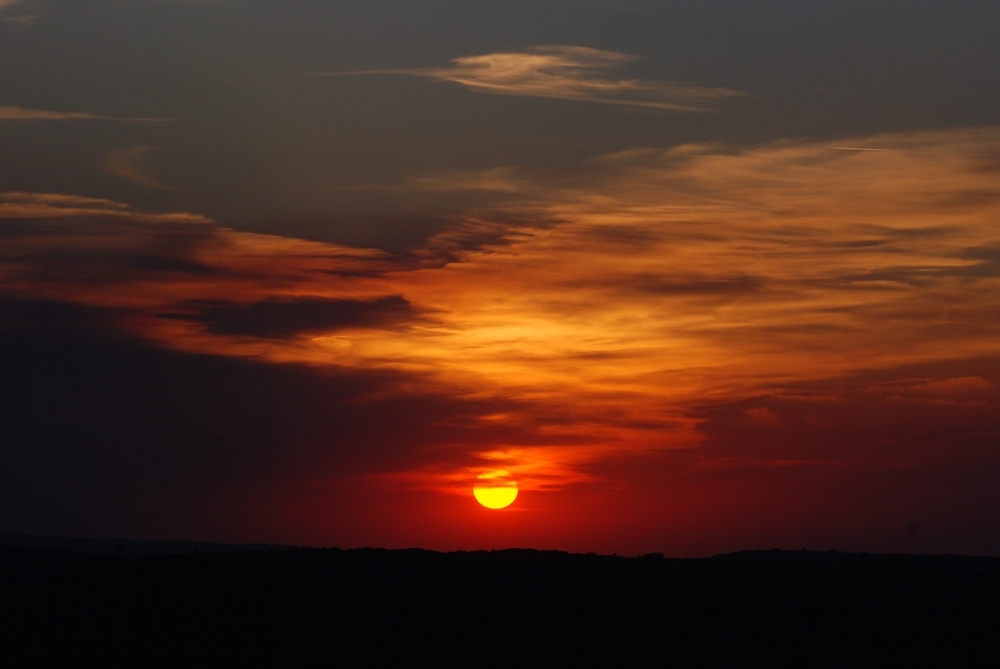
[[330, 607]]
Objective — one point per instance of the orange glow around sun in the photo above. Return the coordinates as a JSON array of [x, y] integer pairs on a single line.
[[496, 489], [589, 320]]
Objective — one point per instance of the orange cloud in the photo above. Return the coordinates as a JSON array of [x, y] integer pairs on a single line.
[[661, 281]]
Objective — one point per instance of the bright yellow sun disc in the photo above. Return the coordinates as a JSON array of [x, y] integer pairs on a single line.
[[495, 489]]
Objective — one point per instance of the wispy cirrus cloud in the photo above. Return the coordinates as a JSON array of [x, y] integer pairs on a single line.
[[565, 73], [128, 163], [23, 205], [18, 6], [14, 113], [497, 180]]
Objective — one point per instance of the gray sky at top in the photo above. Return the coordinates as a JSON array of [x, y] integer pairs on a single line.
[[213, 107]]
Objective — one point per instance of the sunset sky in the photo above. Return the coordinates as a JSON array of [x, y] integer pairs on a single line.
[[701, 275]]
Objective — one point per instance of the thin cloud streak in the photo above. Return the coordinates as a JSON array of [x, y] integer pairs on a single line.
[[21, 205], [499, 179], [12, 113], [24, 19], [127, 163], [564, 73]]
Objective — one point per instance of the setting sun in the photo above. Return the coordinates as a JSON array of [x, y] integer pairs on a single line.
[[496, 489]]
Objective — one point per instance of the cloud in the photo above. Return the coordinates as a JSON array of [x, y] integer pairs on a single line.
[[612, 305], [887, 417], [114, 435], [127, 163], [965, 388], [23, 19], [564, 73], [7, 5], [72, 249], [789, 332], [762, 416], [22, 205], [280, 318], [499, 179], [10, 113], [62, 200], [195, 3]]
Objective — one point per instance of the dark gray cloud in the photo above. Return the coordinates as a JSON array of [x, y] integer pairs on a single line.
[[254, 147], [102, 436], [277, 318], [80, 249], [987, 265], [52, 318], [984, 264]]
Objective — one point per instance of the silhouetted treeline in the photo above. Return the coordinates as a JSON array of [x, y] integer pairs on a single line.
[[328, 607]]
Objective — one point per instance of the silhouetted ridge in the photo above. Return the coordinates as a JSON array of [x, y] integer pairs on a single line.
[[317, 607]]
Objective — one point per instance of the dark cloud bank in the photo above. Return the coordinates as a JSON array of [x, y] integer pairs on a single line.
[[279, 318], [102, 435]]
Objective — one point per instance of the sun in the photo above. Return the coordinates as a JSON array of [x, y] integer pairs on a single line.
[[495, 489]]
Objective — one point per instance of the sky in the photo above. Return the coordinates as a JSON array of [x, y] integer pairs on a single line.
[[702, 276]]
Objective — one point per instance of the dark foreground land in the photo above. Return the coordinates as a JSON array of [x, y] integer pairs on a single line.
[[329, 607]]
